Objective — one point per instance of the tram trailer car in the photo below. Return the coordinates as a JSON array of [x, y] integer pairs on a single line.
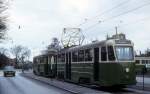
[[106, 63], [45, 65]]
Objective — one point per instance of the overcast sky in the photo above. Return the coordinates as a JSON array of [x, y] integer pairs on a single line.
[[41, 20]]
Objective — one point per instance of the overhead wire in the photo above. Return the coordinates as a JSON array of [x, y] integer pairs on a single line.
[[127, 24], [130, 23], [123, 13], [107, 11], [139, 20], [126, 12]]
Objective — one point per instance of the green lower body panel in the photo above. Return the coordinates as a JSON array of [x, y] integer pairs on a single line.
[[109, 74], [60, 70], [45, 70], [81, 71]]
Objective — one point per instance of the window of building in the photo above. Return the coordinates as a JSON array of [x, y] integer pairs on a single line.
[[143, 62], [146, 61], [88, 55], [81, 55], [103, 54], [111, 56], [137, 61]]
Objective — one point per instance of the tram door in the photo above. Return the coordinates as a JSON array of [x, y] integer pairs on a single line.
[[49, 65], [68, 66], [55, 61], [96, 64], [46, 66]]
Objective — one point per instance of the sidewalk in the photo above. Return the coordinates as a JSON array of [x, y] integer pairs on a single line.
[[139, 84], [146, 80], [64, 85]]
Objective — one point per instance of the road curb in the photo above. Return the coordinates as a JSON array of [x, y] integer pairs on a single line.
[[31, 77], [72, 88]]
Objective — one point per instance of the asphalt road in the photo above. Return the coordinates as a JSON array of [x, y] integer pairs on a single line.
[[21, 85]]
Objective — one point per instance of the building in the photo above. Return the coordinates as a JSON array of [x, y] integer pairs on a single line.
[[143, 60]]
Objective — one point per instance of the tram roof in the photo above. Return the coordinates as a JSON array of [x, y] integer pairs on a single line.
[[46, 54], [91, 45]]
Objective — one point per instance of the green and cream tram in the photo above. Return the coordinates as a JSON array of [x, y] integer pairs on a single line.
[[106, 63]]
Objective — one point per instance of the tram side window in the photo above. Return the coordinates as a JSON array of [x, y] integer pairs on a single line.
[[111, 55], [148, 61], [59, 57], [103, 54], [81, 55], [75, 56], [40, 61], [88, 55], [45, 60], [34, 61], [37, 60], [62, 57]]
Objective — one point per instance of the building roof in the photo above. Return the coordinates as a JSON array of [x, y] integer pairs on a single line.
[[142, 58]]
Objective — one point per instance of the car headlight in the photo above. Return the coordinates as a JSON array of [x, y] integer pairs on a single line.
[[127, 69]]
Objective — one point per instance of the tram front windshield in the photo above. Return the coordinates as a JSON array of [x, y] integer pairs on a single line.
[[124, 53]]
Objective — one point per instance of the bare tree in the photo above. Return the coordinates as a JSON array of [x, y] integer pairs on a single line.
[[25, 54], [54, 44], [4, 60], [16, 50], [3, 51], [4, 4], [21, 53]]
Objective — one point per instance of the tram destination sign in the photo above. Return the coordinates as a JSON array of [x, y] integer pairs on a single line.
[[122, 41]]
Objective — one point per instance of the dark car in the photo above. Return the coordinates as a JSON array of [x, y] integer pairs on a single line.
[[9, 71]]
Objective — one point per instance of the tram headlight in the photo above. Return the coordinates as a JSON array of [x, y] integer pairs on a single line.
[[127, 69]]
